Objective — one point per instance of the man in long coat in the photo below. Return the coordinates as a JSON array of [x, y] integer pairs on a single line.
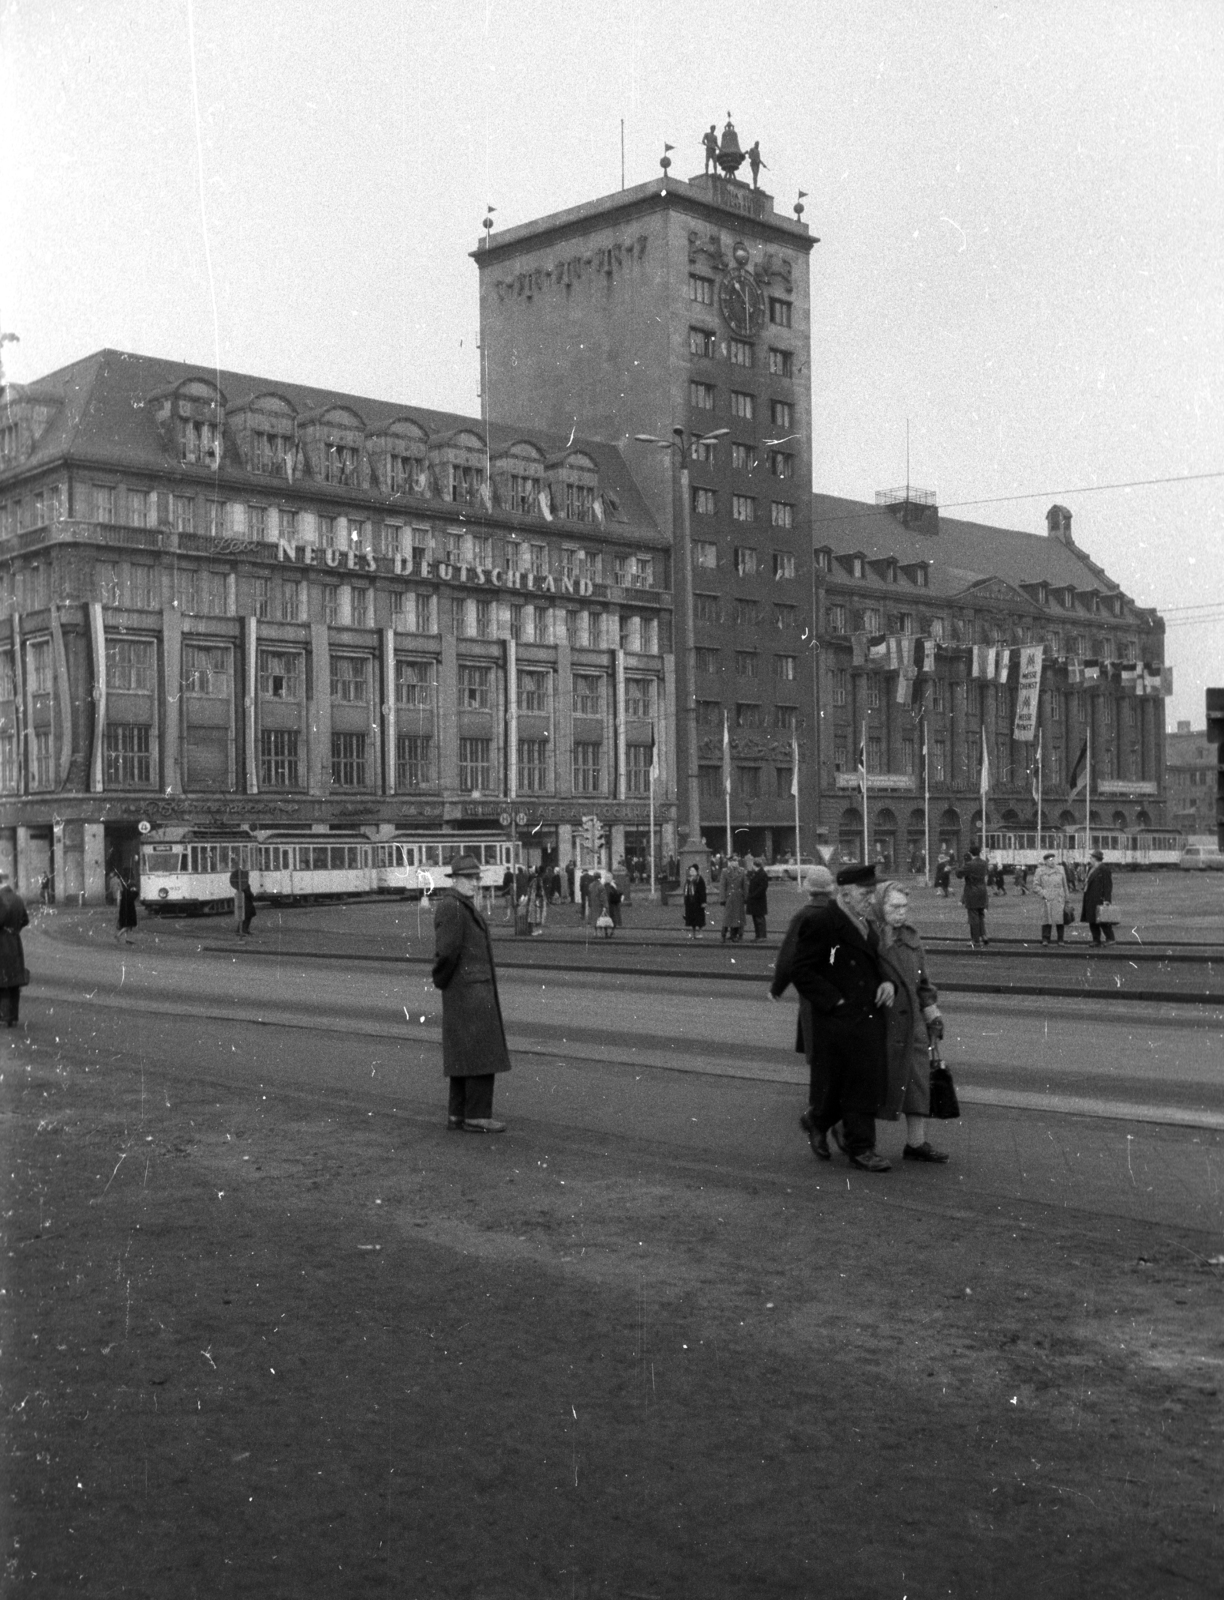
[[473, 1035], [975, 896], [1098, 891], [835, 966]]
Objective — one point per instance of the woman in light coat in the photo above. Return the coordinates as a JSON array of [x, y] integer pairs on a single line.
[[1050, 882], [913, 1021]]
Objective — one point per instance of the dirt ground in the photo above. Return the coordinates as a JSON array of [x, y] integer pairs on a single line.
[[266, 1348]]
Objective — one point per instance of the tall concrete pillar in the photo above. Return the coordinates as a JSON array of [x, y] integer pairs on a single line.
[[93, 859]]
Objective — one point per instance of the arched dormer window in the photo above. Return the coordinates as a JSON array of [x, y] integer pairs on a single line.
[[573, 487], [192, 418], [458, 464], [332, 439], [397, 457], [263, 428], [518, 473]]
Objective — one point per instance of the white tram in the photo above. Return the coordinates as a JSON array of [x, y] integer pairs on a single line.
[[1146, 848], [192, 872]]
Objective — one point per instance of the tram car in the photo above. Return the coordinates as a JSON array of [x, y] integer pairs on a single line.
[[1146, 848], [193, 871]]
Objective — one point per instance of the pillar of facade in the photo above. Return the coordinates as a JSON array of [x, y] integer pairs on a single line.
[[172, 678], [448, 712], [93, 863], [8, 852], [319, 781], [33, 859], [617, 835], [69, 863]]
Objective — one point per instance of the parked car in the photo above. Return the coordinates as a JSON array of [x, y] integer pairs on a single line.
[[1201, 858]]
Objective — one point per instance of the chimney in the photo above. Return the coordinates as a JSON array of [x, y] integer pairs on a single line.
[[1058, 524]]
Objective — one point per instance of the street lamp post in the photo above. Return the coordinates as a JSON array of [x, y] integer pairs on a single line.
[[693, 852]]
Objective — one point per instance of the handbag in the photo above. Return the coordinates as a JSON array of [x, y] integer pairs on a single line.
[[1068, 916], [944, 1104], [1105, 912], [603, 920]]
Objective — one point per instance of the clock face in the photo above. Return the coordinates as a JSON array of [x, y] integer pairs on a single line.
[[741, 302]]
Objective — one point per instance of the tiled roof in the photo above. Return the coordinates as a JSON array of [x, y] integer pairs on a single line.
[[104, 419], [961, 554]]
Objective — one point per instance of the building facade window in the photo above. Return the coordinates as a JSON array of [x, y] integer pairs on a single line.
[[350, 680], [781, 464], [783, 564], [779, 312], [261, 597], [414, 684], [782, 515], [413, 761], [40, 772], [939, 761], [709, 713], [841, 686], [747, 664], [706, 608], [701, 342], [741, 353], [701, 290], [279, 766], [781, 363], [586, 767], [745, 561], [709, 784], [875, 753], [748, 782], [835, 618], [707, 659], [129, 755], [785, 716], [206, 670], [747, 613], [705, 501], [131, 665], [182, 513], [742, 405], [639, 698], [280, 675], [784, 668], [532, 766], [743, 457], [348, 760], [705, 553], [781, 413], [747, 714], [743, 508], [8, 763], [532, 691], [785, 616], [475, 694], [637, 768], [360, 602], [290, 600], [701, 395], [588, 694]]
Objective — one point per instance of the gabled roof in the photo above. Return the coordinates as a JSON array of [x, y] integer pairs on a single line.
[[103, 418], [960, 555]]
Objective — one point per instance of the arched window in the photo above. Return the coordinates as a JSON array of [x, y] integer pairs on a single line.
[[457, 461], [333, 438], [397, 457]]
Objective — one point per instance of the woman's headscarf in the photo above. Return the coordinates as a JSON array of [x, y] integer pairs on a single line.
[[879, 899]]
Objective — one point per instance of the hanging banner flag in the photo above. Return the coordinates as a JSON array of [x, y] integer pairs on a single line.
[[1151, 678], [1079, 772], [1129, 674], [1092, 669], [1035, 769], [877, 649], [1002, 666], [726, 757], [894, 653], [795, 765], [1029, 697], [1075, 672], [991, 656], [926, 655], [978, 669]]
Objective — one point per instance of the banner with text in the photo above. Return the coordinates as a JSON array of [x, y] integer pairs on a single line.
[[1029, 697]]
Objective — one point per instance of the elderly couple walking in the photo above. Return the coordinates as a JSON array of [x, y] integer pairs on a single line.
[[867, 1014]]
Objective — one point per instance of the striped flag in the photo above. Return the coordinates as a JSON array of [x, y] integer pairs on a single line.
[[795, 765], [654, 756], [1079, 772], [726, 756]]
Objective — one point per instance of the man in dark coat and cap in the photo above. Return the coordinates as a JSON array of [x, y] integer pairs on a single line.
[[473, 1035], [835, 967]]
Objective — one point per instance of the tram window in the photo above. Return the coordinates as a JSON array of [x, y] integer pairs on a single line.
[[318, 858], [431, 855]]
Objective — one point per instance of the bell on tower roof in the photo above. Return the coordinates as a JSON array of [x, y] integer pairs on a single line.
[[730, 156]]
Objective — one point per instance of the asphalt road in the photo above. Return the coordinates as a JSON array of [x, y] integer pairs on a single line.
[[1112, 1106]]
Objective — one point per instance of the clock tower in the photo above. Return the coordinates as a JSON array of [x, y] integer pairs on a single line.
[[681, 310]]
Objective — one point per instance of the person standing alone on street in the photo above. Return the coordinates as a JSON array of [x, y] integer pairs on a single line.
[[1050, 882], [975, 897], [836, 967], [473, 1034], [126, 924], [756, 903], [1098, 892], [13, 975]]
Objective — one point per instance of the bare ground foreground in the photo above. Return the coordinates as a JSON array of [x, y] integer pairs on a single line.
[[287, 1347]]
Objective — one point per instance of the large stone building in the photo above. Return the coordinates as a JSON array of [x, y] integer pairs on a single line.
[[682, 310], [1191, 770], [236, 601]]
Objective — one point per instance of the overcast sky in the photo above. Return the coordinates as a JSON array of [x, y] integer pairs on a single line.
[[1021, 209]]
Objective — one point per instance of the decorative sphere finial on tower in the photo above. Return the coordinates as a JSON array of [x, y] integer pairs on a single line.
[[799, 204], [487, 224], [665, 161]]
